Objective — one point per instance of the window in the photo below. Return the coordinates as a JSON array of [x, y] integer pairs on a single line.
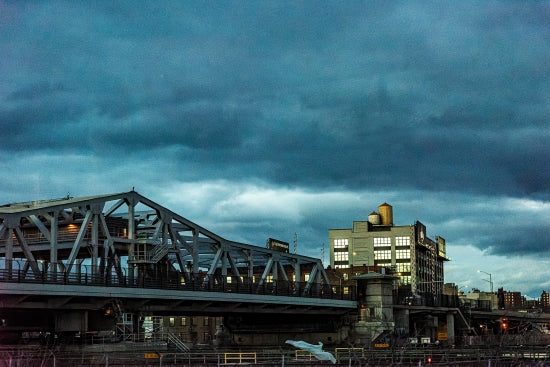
[[402, 241], [172, 322], [306, 277], [341, 243], [403, 254], [345, 276], [205, 321], [403, 267], [382, 242], [228, 280], [341, 256], [382, 255], [269, 279], [184, 321], [405, 279], [341, 266]]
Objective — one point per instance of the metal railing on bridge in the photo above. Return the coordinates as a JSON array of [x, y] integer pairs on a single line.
[[19, 271]]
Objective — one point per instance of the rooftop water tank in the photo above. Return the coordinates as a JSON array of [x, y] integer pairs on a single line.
[[374, 218], [386, 214]]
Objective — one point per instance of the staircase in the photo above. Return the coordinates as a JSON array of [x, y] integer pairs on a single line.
[[158, 252], [181, 346], [149, 251]]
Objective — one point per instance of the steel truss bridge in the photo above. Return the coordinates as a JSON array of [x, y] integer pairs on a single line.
[[125, 251]]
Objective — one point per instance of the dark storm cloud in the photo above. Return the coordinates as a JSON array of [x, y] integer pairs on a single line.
[[395, 90]]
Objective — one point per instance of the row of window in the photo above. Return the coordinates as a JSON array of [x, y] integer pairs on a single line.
[[341, 243], [382, 241], [341, 256], [386, 254], [268, 279], [402, 241], [184, 321]]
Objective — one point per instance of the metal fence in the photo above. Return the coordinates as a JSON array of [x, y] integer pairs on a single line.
[[17, 271]]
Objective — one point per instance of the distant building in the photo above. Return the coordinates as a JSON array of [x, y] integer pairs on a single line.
[[188, 329], [416, 259], [477, 300], [545, 300], [513, 300]]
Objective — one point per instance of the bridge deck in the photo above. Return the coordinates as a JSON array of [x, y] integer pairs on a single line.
[[83, 291]]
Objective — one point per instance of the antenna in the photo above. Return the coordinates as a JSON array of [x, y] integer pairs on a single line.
[[295, 241]]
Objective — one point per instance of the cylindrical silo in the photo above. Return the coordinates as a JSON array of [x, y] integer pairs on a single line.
[[386, 214], [374, 218]]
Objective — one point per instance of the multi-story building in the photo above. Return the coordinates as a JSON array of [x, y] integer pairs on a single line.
[[513, 300], [415, 258], [478, 300], [545, 300]]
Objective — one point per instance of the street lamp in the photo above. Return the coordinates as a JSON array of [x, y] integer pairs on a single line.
[[490, 278]]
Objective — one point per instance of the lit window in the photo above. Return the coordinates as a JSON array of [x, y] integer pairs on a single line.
[[382, 241], [402, 241], [403, 254], [172, 322], [346, 290], [269, 279], [341, 256], [382, 255], [306, 277], [403, 267], [341, 266], [341, 243], [228, 280], [183, 321]]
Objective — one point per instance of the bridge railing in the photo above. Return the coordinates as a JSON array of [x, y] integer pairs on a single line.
[[19, 271]]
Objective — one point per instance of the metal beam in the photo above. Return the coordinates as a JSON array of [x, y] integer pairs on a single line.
[[78, 241]]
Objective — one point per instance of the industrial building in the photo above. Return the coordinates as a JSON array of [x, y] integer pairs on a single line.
[[415, 258]]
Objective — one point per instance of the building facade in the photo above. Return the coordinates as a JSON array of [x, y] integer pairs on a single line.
[[416, 259]]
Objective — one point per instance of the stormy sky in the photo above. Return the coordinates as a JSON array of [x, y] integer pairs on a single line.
[[266, 119]]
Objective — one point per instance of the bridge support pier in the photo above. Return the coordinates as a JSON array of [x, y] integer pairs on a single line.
[[450, 328]]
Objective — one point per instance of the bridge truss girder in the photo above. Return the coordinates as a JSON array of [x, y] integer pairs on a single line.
[[128, 235]]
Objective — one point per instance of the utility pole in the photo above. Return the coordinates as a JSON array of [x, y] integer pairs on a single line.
[[490, 279]]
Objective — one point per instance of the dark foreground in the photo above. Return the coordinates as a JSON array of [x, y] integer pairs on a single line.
[[35, 355]]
